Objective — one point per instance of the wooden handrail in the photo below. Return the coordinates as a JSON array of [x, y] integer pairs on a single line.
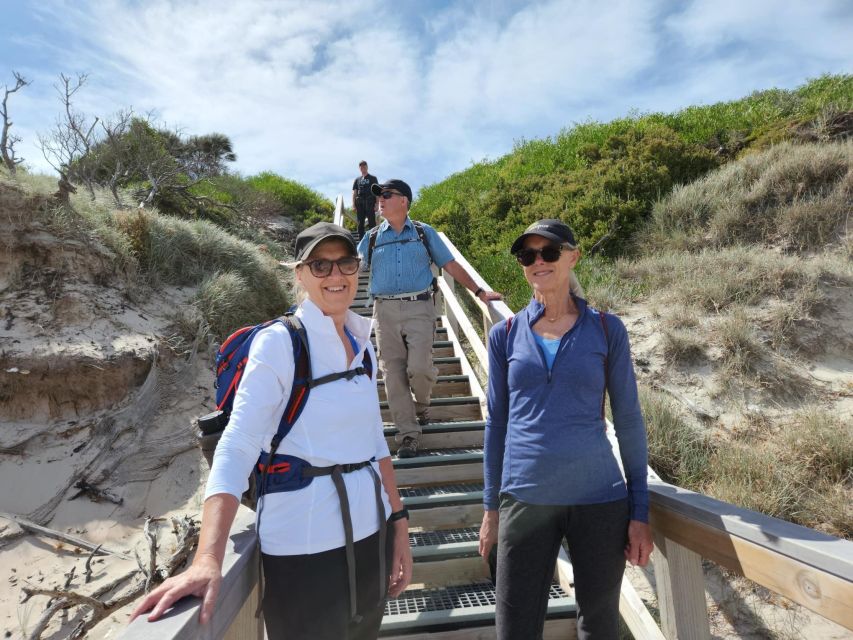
[[234, 615], [809, 567]]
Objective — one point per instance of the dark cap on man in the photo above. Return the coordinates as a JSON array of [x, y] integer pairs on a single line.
[[550, 228], [309, 238], [393, 185]]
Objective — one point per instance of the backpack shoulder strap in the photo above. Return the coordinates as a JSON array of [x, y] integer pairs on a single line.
[[606, 358], [419, 227], [371, 244], [301, 378]]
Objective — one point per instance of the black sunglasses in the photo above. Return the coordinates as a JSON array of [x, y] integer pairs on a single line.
[[549, 253], [322, 268], [387, 195]]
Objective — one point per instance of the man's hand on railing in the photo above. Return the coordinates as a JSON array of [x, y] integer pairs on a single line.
[[202, 579], [488, 296], [640, 545]]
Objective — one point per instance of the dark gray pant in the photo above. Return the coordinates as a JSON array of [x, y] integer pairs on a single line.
[[529, 539], [365, 215], [306, 597]]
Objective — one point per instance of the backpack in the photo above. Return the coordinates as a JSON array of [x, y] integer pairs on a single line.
[[607, 340], [231, 359]]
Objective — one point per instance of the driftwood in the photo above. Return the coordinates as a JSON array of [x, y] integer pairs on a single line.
[[186, 531], [94, 493], [32, 527], [87, 569], [698, 411]]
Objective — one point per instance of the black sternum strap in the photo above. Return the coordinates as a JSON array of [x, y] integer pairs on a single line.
[[343, 375]]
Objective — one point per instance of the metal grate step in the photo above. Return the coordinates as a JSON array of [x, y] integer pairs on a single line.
[[445, 427], [457, 607], [448, 536], [444, 490]]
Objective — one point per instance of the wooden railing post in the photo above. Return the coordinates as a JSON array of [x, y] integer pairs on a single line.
[[681, 591]]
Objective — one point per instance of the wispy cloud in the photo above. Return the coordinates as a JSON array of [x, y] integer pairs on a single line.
[[417, 89]]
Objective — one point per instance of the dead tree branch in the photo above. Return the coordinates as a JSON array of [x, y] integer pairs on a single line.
[[32, 527], [94, 493], [186, 531], [8, 140]]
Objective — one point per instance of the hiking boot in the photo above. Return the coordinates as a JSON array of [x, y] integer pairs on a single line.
[[408, 448], [423, 417]]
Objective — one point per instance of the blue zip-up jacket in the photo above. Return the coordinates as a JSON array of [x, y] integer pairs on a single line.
[[545, 436]]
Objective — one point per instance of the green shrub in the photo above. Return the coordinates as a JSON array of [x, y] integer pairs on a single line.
[[294, 200]]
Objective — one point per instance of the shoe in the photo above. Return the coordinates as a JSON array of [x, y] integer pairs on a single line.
[[408, 448], [423, 417]]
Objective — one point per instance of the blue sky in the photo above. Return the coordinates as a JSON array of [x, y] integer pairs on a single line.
[[419, 89]]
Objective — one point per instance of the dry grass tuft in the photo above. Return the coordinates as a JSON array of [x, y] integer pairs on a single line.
[[794, 196], [678, 452], [682, 347]]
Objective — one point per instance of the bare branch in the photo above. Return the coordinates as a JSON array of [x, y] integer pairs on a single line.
[[186, 531], [32, 527], [7, 140]]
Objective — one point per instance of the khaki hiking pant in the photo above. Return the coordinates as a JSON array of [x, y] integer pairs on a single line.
[[405, 330]]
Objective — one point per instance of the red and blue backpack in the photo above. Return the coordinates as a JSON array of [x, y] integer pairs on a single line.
[[284, 473]]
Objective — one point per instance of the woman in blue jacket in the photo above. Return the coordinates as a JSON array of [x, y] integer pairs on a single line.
[[550, 471]]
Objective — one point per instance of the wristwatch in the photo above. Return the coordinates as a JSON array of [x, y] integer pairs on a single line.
[[399, 515]]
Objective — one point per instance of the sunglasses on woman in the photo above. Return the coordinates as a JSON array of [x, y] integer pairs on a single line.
[[387, 195], [549, 253], [321, 267]]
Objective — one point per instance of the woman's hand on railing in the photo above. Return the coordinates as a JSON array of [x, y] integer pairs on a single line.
[[488, 533], [202, 579], [400, 574], [640, 545]]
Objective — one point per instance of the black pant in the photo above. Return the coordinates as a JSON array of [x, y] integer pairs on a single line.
[[364, 210], [306, 597], [529, 538]]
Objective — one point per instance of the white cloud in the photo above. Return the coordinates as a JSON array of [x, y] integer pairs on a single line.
[[419, 90]]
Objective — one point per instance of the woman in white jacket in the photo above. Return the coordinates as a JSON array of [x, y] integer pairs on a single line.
[[312, 590]]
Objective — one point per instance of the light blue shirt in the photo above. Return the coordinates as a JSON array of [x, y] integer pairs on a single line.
[[401, 262], [549, 347]]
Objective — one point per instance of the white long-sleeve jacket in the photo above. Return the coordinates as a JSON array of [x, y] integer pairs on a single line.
[[340, 424]]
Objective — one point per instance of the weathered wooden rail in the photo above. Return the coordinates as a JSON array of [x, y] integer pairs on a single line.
[[809, 567]]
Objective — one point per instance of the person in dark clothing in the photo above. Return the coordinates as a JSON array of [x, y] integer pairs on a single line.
[[363, 201], [550, 470]]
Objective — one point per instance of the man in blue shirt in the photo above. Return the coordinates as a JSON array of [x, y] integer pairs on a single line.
[[401, 283]]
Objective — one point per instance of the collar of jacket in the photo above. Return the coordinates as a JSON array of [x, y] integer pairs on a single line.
[[313, 317]]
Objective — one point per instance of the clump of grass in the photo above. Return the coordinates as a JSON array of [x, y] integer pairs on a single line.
[[741, 350], [792, 314], [750, 476], [794, 196], [820, 443], [713, 280], [680, 317], [678, 452], [682, 347]]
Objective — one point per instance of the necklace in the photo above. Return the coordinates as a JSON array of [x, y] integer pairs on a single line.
[[555, 318]]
